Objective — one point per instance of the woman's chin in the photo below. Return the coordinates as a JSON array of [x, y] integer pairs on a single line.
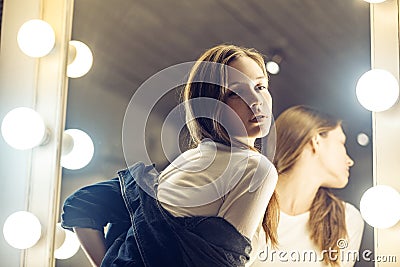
[[263, 132], [341, 185]]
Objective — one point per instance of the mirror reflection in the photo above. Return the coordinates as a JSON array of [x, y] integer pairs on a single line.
[[320, 49]]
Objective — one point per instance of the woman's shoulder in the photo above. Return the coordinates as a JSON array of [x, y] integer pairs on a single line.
[[353, 215], [261, 163], [352, 211], [244, 154], [355, 227], [259, 170]]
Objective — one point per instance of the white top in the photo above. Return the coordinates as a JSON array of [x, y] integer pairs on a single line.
[[295, 243], [217, 180]]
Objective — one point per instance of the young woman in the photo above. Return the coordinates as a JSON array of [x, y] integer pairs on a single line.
[[316, 228], [211, 201]]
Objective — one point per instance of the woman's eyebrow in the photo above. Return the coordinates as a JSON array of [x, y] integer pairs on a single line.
[[241, 82]]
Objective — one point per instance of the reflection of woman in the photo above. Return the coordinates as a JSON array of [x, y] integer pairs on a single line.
[[211, 200], [311, 158]]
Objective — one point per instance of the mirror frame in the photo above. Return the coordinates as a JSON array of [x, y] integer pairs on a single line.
[[385, 55], [32, 178]]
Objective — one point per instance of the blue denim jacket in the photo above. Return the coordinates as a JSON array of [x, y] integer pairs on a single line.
[[142, 233]]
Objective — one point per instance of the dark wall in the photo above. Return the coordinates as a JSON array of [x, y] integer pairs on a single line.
[[1, 13]]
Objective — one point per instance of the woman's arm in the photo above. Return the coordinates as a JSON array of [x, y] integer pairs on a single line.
[[93, 244], [89, 210]]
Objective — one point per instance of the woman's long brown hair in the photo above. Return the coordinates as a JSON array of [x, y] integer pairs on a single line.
[[295, 127], [201, 127]]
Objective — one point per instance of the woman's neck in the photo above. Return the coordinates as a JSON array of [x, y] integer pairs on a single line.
[[249, 142], [296, 190], [243, 143]]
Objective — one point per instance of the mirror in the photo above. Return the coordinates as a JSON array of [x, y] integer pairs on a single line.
[[324, 47]]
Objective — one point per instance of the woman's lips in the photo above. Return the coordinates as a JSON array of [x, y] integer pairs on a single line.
[[258, 118]]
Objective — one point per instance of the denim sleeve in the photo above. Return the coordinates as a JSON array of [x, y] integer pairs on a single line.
[[95, 206]]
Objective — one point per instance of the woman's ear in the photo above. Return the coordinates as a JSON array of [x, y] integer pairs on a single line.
[[315, 142]]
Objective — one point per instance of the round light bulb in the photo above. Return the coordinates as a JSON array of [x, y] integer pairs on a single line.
[[377, 90], [272, 67], [67, 243], [375, 1], [81, 58], [380, 206], [78, 149], [23, 128], [22, 230], [36, 38], [362, 139]]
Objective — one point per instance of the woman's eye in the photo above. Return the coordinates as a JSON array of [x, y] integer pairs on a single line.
[[261, 87]]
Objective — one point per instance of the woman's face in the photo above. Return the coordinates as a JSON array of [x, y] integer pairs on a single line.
[[334, 159], [249, 98]]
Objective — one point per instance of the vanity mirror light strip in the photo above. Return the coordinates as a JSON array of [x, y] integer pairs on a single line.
[[386, 124], [31, 178]]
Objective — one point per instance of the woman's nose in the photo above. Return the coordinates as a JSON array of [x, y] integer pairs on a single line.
[[255, 98], [350, 162]]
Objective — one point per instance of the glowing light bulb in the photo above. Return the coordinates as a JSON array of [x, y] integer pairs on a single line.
[[362, 139], [67, 243], [380, 206], [272, 67], [78, 149], [22, 230], [374, 1], [23, 128], [81, 59], [36, 38], [377, 90]]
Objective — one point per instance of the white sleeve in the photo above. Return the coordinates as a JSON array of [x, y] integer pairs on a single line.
[[355, 228], [245, 204]]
